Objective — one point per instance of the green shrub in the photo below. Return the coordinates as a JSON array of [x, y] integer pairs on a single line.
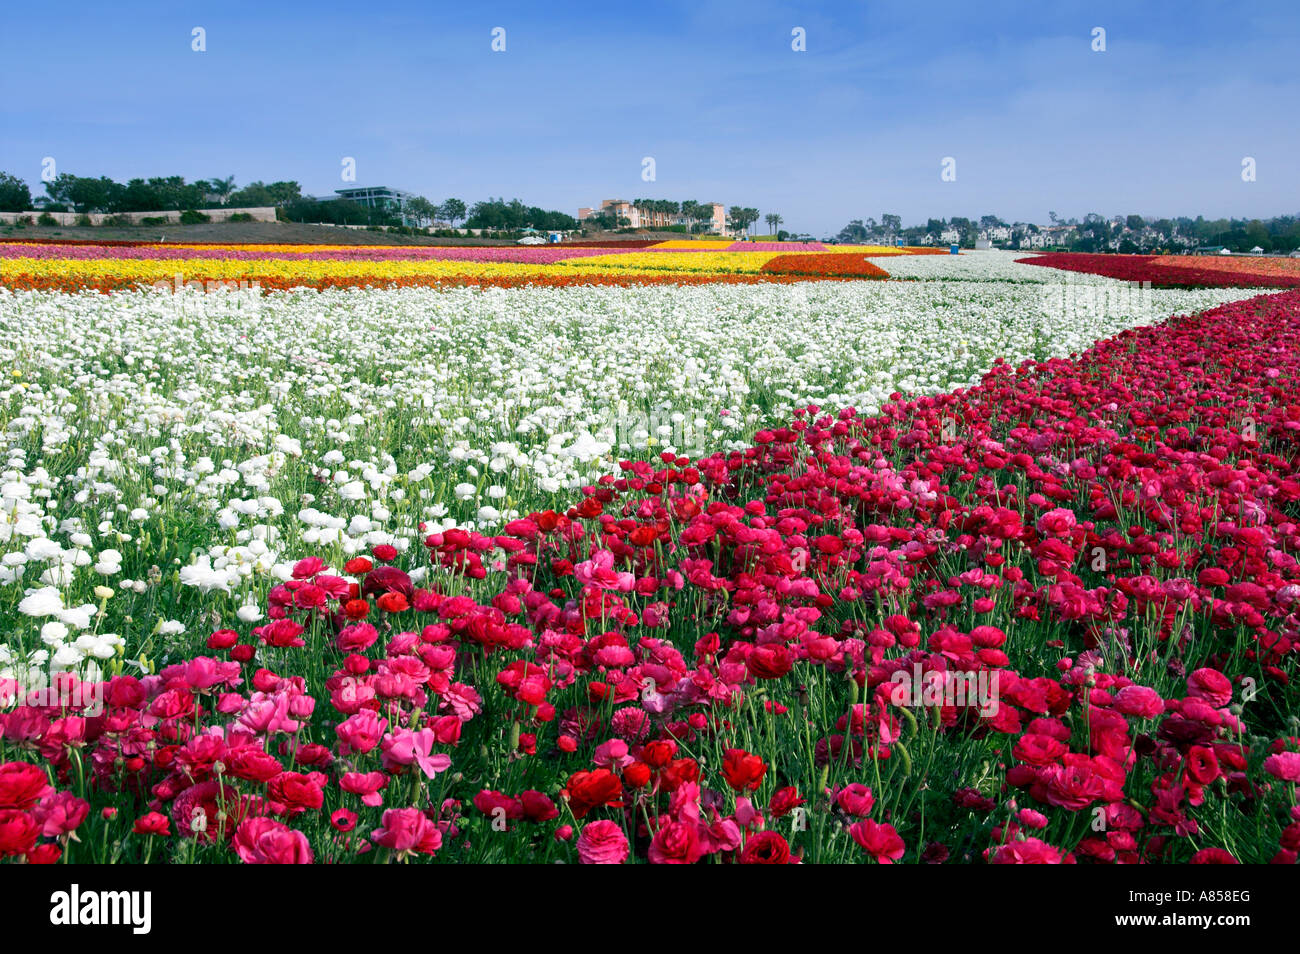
[[240, 217], [194, 217], [154, 220]]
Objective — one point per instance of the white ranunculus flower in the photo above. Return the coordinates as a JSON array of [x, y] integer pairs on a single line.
[[288, 445], [42, 549], [44, 602], [66, 657], [353, 490], [53, 633]]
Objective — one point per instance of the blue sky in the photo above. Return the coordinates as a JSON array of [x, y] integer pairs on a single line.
[[855, 126]]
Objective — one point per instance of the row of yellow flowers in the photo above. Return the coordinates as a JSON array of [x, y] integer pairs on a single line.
[[149, 271], [718, 263], [43, 266]]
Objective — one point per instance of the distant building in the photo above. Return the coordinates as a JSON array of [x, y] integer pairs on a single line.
[[1056, 234], [650, 219], [378, 197], [1256, 251]]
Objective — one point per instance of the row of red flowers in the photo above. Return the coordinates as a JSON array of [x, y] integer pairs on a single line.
[[828, 264], [1160, 273]]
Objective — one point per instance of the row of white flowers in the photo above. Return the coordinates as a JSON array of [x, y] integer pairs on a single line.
[[165, 455]]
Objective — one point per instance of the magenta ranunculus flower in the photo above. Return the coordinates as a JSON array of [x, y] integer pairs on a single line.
[[60, 813], [880, 841], [407, 831], [264, 841], [602, 843], [1027, 851], [1284, 765]]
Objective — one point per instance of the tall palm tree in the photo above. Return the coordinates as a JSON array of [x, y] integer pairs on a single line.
[[223, 187], [688, 212], [704, 214]]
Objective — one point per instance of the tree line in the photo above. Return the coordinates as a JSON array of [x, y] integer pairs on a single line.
[[85, 194], [1130, 234], [72, 193]]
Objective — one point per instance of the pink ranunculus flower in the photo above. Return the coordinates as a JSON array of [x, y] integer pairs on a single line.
[[602, 843], [1284, 765], [406, 747], [855, 799], [880, 841], [22, 785], [1139, 701], [366, 784], [1210, 685], [599, 572], [265, 841], [360, 732], [406, 831], [60, 813], [1057, 522], [1029, 851]]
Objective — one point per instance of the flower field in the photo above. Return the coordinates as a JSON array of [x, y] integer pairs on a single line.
[[690, 558], [70, 266], [1171, 271]]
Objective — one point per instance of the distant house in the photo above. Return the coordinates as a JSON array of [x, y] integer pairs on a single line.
[[1256, 251], [1056, 234]]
